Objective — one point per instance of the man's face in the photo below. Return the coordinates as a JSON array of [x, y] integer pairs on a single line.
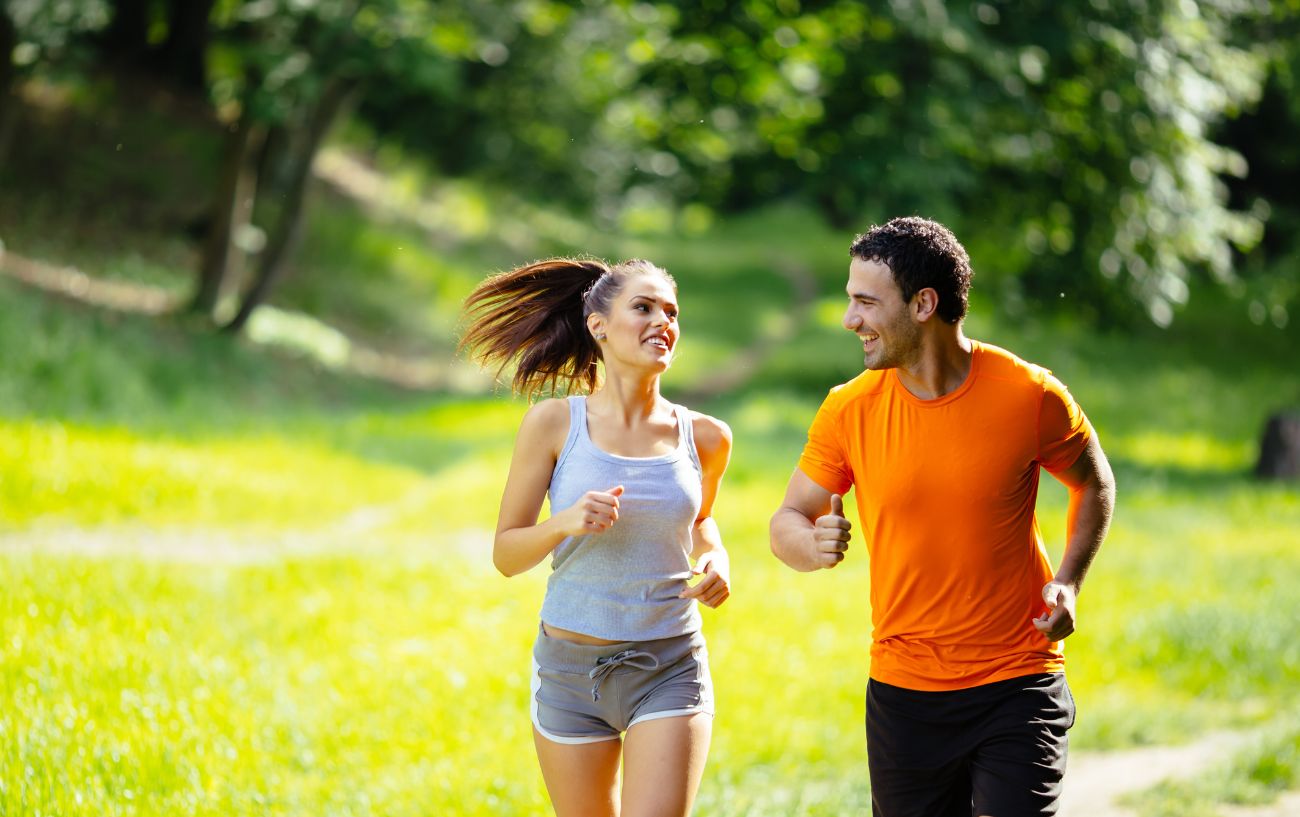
[[878, 315]]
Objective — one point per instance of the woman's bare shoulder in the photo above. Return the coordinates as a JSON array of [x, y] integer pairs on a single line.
[[712, 436], [546, 422]]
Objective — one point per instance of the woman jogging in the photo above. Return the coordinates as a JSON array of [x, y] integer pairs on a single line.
[[620, 670]]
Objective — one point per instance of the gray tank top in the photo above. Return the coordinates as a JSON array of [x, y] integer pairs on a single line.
[[622, 584]]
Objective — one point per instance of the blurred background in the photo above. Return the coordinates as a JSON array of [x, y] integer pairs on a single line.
[[247, 488]]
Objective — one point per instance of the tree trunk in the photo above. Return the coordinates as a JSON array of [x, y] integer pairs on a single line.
[[1279, 450], [232, 208], [273, 157], [127, 35], [8, 99], [8, 39], [336, 97], [183, 56]]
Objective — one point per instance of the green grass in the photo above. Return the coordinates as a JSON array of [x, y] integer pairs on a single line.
[[319, 686], [237, 581]]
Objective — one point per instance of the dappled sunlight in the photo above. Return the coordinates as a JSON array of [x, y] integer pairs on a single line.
[[312, 338], [454, 211]]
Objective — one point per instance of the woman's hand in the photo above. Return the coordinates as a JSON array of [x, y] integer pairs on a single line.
[[715, 587], [594, 512]]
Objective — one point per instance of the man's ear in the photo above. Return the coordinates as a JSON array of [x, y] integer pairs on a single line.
[[925, 304]]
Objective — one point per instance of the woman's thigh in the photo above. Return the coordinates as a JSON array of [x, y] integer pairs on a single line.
[[663, 761], [581, 778]]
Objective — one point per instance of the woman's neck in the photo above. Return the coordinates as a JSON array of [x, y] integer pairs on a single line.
[[631, 398]]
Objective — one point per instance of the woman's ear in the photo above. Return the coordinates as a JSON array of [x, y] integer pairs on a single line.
[[596, 325]]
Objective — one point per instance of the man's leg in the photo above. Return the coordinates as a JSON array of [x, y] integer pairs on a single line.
[[1019, 763], [915, 755]]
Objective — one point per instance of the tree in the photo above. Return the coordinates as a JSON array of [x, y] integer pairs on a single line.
[[8, 41], [1265, 135], [1068, 143], [1079, 149], [179, 55], [33, 31], [297, 67]]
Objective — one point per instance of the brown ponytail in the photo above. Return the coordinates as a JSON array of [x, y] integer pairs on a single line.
[[538, 314]]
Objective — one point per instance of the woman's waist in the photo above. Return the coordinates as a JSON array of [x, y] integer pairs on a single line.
[[604, 620], [577, 638], [556, 649]]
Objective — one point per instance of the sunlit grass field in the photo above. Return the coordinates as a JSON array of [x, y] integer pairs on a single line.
[[236, 583]]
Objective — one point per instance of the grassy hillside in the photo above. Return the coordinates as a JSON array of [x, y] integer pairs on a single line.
[[241, 580]]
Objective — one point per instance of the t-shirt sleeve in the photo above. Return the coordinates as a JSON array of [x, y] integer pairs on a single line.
[[824, 458], [1063, 430]]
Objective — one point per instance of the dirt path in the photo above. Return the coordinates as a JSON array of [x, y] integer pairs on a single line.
[[1096, 781], [405, 371], [360, 529], [1288, 805]]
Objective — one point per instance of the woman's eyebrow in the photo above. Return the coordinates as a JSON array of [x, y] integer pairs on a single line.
[[654, 300]]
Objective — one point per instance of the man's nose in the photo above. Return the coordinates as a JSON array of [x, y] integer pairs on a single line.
[[851, 321]]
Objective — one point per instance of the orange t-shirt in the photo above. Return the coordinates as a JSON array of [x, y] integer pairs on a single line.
[[946, 491]]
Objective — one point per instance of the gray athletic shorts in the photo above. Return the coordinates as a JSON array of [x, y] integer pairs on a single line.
[[583, 693]]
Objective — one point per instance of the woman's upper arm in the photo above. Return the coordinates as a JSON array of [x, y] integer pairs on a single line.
[[537, 445], [713, 444]]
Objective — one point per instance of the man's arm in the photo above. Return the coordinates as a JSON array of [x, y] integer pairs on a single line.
[[809, 532], [1092, 501]]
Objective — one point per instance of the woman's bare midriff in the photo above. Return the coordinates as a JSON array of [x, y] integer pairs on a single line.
[[576, 638]]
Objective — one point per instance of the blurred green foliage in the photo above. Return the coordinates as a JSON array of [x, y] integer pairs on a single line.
[[1115, 154]]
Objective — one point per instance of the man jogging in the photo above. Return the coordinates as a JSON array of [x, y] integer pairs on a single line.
[[943, 438]]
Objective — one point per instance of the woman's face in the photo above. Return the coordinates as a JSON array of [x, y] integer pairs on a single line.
[[641, 328]]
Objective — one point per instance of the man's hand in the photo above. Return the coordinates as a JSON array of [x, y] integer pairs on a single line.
[[1058, 621], [831, 535], [715, 587]]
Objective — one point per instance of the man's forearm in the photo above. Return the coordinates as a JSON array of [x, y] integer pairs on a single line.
[[790, 533], [1091, 507]]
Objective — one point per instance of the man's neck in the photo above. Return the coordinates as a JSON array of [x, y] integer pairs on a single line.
[[942, 364]]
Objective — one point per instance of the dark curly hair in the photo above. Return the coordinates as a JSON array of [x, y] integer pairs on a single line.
[[920, 253]]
